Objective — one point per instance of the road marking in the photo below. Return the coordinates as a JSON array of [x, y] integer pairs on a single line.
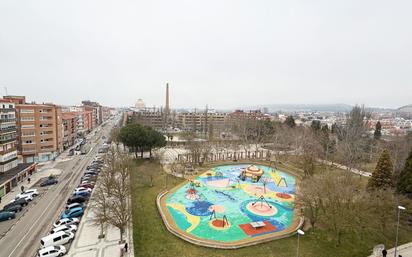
[[32, 226], [73, 174]]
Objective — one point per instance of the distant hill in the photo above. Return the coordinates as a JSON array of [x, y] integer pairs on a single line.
[[304, 107], [405, 111], [406, 108]]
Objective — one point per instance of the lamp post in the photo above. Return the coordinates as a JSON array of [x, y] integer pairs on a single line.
[[300, 233], [400, 208]]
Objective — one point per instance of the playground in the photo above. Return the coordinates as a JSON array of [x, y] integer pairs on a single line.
[[232, 206]]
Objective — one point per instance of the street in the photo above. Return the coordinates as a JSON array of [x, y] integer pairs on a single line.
[[23, 237]]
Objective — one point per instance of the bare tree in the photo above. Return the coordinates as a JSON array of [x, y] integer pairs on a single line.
[[110, 203]]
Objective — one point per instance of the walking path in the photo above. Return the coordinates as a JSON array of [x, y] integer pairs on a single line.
[[88, 244], [343, 167]]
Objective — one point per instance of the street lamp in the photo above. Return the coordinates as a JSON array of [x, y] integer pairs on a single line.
[[400, 208], [300, 233]]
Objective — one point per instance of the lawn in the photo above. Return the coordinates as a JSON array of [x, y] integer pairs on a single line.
[[151, 238]]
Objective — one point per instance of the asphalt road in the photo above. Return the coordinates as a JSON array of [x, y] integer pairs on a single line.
[[23, 239]]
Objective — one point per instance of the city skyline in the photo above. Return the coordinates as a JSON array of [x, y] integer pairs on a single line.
[[224, 55]]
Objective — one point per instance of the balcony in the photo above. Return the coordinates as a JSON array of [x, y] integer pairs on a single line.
[[8, 110], [28, 151], [7, 120], [8, 129], [8, 140]]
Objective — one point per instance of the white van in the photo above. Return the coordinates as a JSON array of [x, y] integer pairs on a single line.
[[58, 238], [52, 251]]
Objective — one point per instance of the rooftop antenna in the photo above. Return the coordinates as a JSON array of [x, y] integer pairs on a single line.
[[5, 89]]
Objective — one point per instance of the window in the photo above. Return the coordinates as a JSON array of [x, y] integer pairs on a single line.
[[27, 111], [27, 126], [28, 118], [28, 133]]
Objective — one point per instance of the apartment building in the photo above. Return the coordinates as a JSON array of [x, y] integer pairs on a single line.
[[39, 130], [8, 135], [69, 120], [200, 120]]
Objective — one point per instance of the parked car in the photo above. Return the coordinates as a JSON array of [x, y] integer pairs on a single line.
[[72, 213], [52, 251], [14, 208], [28, 198], [82, 189], [91, 173], [20, 201], [7, 215], [74, 205], [65, 228], [87, 185], [48, 182], [76, 199], [83, 194], [58, 238], [89, 178], [32, 192], [88, 181], [66, 221]]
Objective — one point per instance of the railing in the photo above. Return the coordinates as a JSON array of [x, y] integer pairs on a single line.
[[3, 141], [8, 129], [8, 110], [7, 120]]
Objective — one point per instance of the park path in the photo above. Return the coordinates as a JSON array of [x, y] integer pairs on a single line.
[[405, 250]]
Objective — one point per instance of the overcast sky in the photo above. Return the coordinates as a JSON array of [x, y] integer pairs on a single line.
[[221, 53]]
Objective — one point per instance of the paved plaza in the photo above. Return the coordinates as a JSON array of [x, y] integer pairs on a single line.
[[87, 243]]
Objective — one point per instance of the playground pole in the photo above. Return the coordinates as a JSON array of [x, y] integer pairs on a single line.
[[397, 229], [300, 233]]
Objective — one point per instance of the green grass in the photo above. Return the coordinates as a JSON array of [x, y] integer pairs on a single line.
[[151, 238]]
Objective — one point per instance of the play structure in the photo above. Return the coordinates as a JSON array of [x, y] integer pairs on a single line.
[[233, 203], [252, 172]]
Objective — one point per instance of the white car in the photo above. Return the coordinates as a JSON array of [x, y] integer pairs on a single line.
[[74, 205], [66, 221], [28, 198], [52, 251], [68, 228], [82, 189], [31, 192]]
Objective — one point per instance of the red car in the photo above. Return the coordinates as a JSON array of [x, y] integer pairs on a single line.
[[87, 185]]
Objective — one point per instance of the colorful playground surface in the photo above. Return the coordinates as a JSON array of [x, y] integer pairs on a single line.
[[233, 203]]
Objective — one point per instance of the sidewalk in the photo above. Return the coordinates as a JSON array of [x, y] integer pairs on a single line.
[[87, 244], [404, 250], [43, 172]]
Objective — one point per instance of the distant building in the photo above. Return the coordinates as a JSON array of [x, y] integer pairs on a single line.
[[140, 105], [39, 130]]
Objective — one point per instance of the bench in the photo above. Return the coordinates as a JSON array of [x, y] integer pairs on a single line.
[[257, 224]]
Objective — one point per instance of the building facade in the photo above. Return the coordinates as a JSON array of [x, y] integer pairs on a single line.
[[69, 120], [8, 136], [39, 130]]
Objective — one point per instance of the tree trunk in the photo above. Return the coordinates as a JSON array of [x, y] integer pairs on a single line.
[[141, 153], [121, 234]]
